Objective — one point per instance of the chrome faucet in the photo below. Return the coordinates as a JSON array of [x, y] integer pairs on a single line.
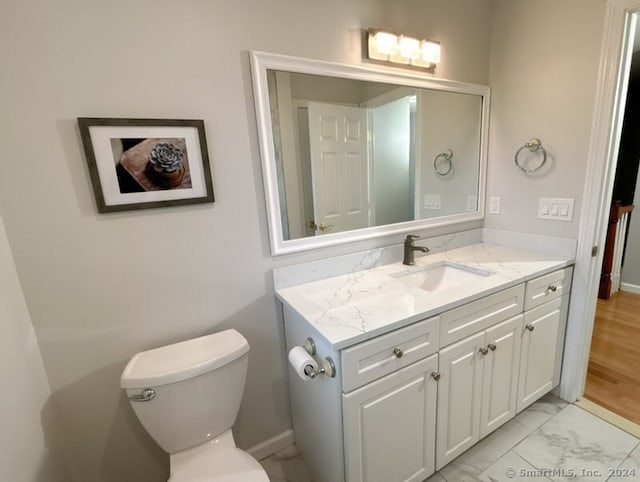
[[410, 249]]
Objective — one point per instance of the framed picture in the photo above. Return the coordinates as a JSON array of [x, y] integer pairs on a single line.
[[146, 163]]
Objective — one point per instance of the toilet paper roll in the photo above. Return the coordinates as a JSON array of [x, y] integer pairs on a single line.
[[300, 359]]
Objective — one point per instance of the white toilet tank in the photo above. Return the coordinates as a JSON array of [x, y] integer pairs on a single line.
[[197, 388]]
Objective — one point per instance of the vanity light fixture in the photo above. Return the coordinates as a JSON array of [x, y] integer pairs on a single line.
[[402, 49]]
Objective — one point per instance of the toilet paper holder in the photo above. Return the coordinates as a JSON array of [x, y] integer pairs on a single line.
[[326, 365]]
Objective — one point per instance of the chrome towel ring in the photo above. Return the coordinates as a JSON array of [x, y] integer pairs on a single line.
[[534, 145], [443, 159]]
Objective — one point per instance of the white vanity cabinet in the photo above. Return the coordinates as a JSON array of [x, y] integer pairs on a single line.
[[374, 421], [389, 423], [479, 357], [477, 388], [547, 303], [389, 426], [405, 403], [488, 377]]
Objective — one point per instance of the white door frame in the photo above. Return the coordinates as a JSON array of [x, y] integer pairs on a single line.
[[615, 62]]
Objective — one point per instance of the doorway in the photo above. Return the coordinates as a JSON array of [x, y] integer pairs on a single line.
[[620, 24], [612, 378]]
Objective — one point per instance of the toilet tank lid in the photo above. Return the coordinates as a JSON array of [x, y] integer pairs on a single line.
[[183, 360]]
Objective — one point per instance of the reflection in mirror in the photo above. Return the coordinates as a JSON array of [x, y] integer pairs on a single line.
[[350, 152]]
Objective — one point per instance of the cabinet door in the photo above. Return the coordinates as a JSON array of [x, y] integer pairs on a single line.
[[500, 376], [541, 350], [459, 398], [389, 426]]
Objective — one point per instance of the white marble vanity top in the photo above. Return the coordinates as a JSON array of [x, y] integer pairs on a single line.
[[354, 307]]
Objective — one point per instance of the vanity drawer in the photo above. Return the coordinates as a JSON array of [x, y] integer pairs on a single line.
[[478, 315], [548, 287], [375, 358]]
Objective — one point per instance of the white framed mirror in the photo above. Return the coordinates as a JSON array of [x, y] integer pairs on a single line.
[[356, 152]]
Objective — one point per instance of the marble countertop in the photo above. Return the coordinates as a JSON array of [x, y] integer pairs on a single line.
[[353, 307]]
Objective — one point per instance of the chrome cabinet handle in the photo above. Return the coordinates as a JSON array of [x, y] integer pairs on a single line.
[[492, 346], [530, 327], [147, 395], [435, 376], [398, 352], [552, 288], [484, 351]]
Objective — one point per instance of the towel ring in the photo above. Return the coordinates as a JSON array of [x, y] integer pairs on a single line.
[[534, 145], [447, 155]]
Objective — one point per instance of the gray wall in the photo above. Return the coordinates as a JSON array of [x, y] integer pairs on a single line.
[[29, 438], [102, 287], [449, 121], [391, 162], [544, 68]]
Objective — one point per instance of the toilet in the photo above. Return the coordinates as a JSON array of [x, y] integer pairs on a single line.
[[187, 397]]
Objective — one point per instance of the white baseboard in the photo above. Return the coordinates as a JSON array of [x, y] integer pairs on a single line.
[[628, 287], [272, 445]]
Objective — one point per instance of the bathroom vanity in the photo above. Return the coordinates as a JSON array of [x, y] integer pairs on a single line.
[[429, 358]]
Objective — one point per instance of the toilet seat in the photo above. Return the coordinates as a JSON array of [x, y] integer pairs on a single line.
[[224, 465]]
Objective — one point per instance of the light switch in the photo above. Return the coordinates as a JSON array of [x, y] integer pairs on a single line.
[[472, 203], [494, 205], [431, 201], [556, 209], [545, 208]]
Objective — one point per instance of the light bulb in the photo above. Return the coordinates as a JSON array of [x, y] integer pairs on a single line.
[[409, 47], [386, 43], [431, 52]]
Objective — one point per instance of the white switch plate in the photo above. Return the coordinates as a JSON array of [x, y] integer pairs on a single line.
[[494, 205], [431, 201], [556, 209], [472, 203]]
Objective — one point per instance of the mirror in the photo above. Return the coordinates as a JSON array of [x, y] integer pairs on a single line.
[[351, 152]]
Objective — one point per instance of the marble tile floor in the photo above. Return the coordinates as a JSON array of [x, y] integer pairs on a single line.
[[286, 466], [550, 440]]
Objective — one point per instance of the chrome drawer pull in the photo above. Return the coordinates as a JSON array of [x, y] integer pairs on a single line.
[[530, 327], [552, 288], [147, 395], [435, 376], [492, 346], [398, 352], [484, 351]]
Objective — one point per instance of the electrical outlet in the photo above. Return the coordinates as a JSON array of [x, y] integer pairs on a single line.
[[494, 205]]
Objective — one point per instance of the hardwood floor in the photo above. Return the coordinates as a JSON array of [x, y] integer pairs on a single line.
[[613, 376]]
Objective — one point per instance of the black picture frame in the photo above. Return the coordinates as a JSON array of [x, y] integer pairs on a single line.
[[146, 163]]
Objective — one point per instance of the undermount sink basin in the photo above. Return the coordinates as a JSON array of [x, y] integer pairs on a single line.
[[441, 276]]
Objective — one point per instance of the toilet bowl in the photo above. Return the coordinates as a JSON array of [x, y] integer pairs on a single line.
[[187, 396]]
